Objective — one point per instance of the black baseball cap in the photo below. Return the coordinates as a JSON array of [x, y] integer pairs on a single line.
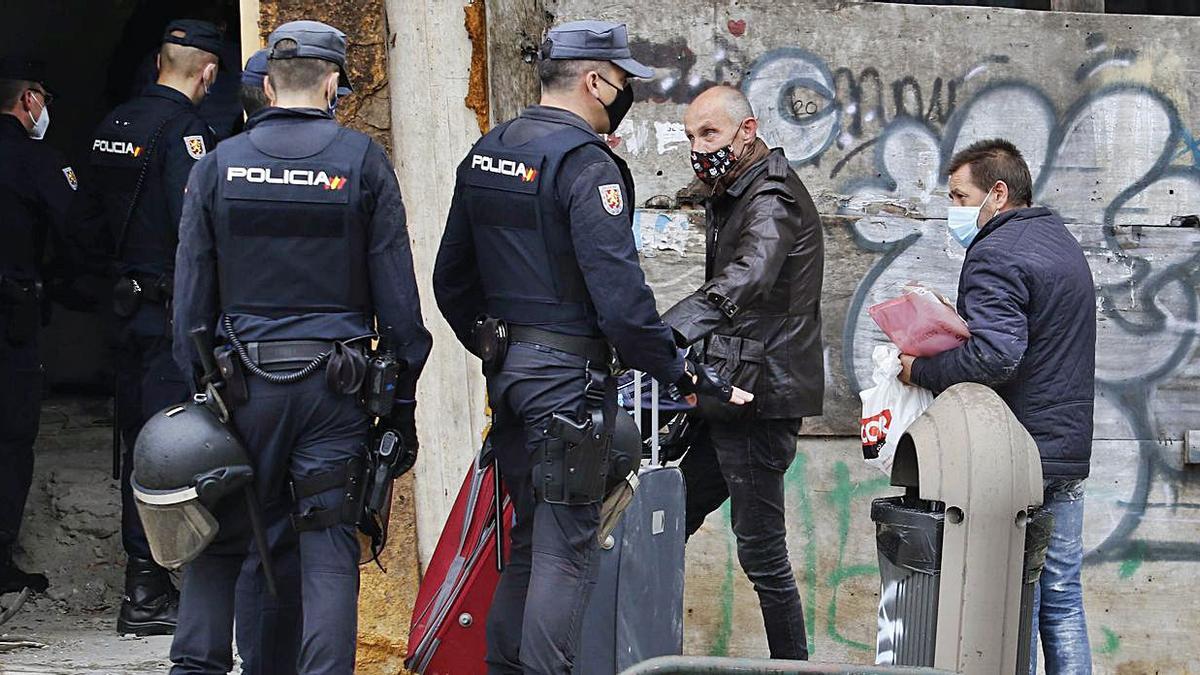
[[21, 67], [195, 33], [594, 41], [314, 40]]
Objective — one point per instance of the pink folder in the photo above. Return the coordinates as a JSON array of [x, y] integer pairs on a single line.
[[920, 322]]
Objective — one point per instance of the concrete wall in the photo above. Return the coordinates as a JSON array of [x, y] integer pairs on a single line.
[[870, 100]]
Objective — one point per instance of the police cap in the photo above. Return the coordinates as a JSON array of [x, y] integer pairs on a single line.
[[256, 69], [201, 35], [594, 41], [21, 67], [314, 40]]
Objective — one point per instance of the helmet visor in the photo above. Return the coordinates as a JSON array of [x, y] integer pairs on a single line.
[[178, 528]]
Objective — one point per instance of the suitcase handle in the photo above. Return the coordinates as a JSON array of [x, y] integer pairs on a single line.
[[654, 410]]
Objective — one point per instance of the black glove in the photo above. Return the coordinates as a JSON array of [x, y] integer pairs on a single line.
[[707, 382], [403, 421]]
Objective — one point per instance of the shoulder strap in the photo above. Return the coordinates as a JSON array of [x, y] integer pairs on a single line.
[[141, 179]]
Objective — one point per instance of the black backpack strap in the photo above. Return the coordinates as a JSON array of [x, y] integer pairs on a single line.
[[141, 180]]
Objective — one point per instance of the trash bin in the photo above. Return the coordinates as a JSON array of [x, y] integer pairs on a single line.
[[908, 532], [1038, 529]]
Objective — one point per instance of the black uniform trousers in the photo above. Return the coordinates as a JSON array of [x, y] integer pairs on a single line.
[[745, 462], [20, 412], [147, 381], [292, 431], [537, 612]]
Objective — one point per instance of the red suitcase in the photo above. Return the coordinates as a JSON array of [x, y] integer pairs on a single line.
[[447, 633]]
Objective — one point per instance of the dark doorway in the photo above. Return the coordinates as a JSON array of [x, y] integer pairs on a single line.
[[100, 53]]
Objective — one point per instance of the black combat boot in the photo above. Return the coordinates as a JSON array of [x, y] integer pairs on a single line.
[[13, 579], [151, 603]]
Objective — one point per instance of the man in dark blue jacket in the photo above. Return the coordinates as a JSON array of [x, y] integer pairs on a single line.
[[1027, 295]]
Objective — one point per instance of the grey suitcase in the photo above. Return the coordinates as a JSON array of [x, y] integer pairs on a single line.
[[636, 608]]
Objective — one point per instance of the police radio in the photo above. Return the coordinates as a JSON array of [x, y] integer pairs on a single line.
[[379, 386]]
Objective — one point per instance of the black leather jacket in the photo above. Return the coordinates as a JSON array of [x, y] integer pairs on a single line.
[[759, 310]]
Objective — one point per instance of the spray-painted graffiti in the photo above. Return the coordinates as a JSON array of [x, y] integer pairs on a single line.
[[1118, 159]]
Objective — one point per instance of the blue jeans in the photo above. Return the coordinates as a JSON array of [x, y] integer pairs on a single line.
[[1058, 599]]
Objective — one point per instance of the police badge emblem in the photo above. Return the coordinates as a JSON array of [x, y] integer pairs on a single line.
[[195, 146], [71, 179], [610, 196]]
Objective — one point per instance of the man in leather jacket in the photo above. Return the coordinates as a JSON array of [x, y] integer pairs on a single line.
[[757, 320]]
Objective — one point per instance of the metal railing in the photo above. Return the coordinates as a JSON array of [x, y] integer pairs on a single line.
[[712, 665]]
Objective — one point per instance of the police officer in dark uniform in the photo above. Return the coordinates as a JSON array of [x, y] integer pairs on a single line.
[[539, 241], [251, 94], [36, 189], [141, 156], [293, 245]]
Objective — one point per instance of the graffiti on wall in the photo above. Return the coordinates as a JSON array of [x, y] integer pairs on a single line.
[[1118, 161]]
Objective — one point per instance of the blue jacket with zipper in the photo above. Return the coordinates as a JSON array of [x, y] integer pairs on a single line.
[[1027, 294]]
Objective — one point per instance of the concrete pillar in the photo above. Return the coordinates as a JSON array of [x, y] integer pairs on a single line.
[[429, 68]]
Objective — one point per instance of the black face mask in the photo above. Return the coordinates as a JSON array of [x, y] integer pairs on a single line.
[[620, 105]]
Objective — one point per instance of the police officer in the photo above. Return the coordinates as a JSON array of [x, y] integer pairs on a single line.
[[268, 626], [251, 94], [141, 156], [293, 239], [539, 240], [36, 189]]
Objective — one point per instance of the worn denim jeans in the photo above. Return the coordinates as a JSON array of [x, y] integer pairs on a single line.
[[745, 462], [1058, 599]]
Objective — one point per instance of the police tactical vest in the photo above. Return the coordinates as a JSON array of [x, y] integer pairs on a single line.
[[290, 236], [522, 233], [128, 146]]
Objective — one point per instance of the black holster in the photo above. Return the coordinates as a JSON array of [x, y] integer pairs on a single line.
[[575, 460], [350, 478], [233, 374], [21, 308]]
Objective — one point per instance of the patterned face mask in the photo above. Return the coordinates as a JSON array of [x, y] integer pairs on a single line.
[[709, 166]]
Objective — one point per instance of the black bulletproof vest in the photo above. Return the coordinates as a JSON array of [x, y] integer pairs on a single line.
[[290, 235], [522, 233], [122, 153]]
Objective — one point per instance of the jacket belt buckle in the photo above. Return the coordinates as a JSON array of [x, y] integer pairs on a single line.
[[728, 307]]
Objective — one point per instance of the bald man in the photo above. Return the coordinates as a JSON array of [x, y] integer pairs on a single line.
[[757, 320]]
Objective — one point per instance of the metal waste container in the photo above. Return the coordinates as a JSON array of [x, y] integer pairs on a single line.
[[908, 534]]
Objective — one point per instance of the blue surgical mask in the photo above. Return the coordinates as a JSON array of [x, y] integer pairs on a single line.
[[963, 221]]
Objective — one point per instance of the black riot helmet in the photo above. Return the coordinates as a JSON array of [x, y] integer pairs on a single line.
[[185, 461]]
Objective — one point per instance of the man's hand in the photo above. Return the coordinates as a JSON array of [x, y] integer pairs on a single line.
[[739, 397], [906, 363], [703, 379]]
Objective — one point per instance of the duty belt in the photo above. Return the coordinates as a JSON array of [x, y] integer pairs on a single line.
[[595, 350], [281, 355], [11, 290]]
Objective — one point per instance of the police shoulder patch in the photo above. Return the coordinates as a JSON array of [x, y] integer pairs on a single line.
[[610, 197], [195, 146], [71, 179]]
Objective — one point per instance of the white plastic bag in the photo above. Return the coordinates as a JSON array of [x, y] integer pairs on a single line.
[[888, 408]]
